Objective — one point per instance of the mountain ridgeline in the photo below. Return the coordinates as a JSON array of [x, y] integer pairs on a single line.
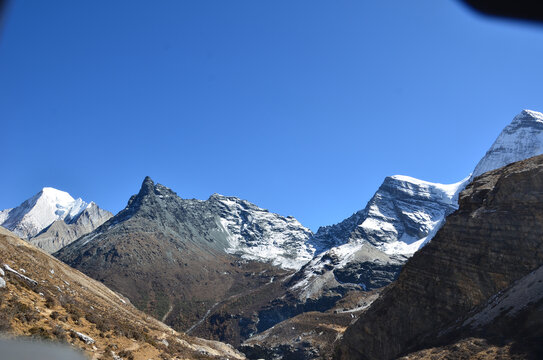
[[226, 269], [166, 253], [493, 240]]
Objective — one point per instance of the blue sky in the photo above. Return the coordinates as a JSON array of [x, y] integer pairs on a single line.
[[302, 107]]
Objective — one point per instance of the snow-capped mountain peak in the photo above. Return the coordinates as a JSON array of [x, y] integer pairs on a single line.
[[399, 218], [41, 210], [521, 139]]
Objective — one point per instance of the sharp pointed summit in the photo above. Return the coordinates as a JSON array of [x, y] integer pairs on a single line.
[[53, 218], [521, 139]]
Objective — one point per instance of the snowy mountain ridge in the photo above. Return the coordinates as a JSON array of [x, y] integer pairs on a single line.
[[223, 223], [369, 248], [41, 210], [521, 139], [398, 218], [52, 219], [405, 213], [257, 234]]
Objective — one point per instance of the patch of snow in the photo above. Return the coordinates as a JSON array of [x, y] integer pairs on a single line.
[[521, 139], [257, 234], [34, 282], [87, 339]]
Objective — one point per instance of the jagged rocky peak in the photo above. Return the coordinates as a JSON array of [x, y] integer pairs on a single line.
[[398, 219], [227, 223], [149, 190], [404, 212], [521, 139], [367, 250], [34, 215]]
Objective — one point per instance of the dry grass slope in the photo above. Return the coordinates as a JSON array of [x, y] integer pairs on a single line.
[[62, 304]]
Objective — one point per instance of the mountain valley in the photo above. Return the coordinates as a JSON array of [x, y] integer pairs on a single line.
[[424, 270]]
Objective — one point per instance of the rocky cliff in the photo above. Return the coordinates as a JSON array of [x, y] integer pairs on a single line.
[[493, 240]]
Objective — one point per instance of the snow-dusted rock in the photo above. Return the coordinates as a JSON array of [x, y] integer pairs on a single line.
[[398, 219], [53, 218], [24, 277], [222, 223], [38, 212], [405, 213], [257, 234], [87, 339], [521, 139], [368, 249]]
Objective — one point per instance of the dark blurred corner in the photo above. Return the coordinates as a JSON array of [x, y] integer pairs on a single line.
[[517, 9], [3, 11]]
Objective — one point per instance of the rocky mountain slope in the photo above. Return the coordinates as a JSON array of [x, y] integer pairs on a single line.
[[507, 326], [398, 218], [475, 255], [402, 216], [52, 219], [309, 335], [41, 297], [371, 246], [181, 259]]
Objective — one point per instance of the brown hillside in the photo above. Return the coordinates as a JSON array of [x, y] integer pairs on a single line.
[[44, 298]]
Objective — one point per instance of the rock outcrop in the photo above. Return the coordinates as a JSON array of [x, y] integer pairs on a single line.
[[493, 240]]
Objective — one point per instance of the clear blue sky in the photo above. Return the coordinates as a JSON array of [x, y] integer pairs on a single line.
[[302, 107]]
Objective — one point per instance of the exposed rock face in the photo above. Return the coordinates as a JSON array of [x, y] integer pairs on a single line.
[[370, 247], [521, 139], [405, 213], [180, 260], [397, 219], [53, 219], [351, 266], [63, 232], [491, 241], [507, 326], [256, 234]]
